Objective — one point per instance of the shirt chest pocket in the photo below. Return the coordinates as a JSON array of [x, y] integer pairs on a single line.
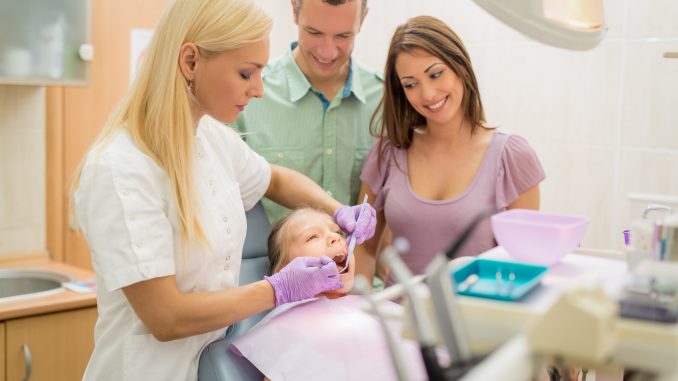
[[288, 157]]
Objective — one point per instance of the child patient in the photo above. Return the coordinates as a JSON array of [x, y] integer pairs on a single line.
[[329, 338], [308, 232]]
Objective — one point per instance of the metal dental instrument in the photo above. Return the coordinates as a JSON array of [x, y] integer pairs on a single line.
[[468, 282], [511, 283], [351, 241]]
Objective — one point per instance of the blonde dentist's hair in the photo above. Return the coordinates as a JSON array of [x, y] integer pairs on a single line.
[[156, 110]]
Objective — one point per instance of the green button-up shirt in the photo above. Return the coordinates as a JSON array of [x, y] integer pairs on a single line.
[[290, 126]]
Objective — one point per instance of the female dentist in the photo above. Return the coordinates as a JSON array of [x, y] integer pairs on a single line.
[[161, 198]]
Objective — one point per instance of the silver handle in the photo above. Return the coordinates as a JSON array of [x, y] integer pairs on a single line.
[[27, 363], [656, 207], [670, 54]]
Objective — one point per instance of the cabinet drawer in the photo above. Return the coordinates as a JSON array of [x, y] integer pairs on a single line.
[[60, 345]]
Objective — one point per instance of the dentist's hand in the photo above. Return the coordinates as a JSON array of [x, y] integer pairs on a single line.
[[362, 228], [303, 278]]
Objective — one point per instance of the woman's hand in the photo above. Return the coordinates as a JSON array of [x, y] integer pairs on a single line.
[[362, 228], [303, 278]]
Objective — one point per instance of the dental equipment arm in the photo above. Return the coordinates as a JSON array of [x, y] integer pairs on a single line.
[[362, 287], [443, 294], [422, 324]]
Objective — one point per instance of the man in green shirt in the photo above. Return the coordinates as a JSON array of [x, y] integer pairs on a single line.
[[318, 101]]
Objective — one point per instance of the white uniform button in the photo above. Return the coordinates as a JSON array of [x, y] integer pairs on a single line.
[[329, 151], [125, 193], [226, 268], [214, 193], [228, 257], [210, 182], [228, 230], [225, 219]]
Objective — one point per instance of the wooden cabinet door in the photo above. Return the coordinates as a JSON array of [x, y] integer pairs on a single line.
[[76, 115], [60, 345], [2, 351]]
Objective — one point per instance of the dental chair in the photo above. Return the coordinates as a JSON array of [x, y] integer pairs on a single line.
[[217, 362]]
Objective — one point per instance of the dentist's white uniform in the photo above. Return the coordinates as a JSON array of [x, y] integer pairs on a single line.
[[127, 211]]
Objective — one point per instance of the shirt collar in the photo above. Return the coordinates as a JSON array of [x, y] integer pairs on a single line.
[[299, 84]]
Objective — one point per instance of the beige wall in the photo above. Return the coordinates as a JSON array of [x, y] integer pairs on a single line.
[[604, 122], [22, 169]]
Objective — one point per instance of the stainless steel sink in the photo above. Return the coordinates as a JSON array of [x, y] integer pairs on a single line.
[[18, 284]]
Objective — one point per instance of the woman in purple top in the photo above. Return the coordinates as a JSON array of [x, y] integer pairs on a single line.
[[436, 165]]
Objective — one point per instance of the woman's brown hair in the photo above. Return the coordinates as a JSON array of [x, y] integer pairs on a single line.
[[395, 119]]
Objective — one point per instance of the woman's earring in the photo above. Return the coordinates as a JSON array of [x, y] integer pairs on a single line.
[[189, 85]]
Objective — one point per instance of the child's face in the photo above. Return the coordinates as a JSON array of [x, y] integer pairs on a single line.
[[314, 234]]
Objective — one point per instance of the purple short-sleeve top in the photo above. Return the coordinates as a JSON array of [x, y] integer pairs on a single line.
[[510, 167]]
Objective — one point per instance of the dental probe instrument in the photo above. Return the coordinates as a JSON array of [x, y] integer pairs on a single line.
[[351, 241]]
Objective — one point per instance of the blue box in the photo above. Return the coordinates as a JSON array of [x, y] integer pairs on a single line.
[[500, 280]]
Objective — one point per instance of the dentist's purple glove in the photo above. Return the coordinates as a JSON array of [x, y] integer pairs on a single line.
[[363, 228], [303, 278]]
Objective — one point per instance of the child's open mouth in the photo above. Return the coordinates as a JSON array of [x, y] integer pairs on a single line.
[[340, 260]]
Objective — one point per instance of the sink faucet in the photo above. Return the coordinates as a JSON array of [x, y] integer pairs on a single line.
[[656, 207]]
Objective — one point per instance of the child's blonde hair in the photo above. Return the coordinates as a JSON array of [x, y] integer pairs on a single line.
[[278, 239]]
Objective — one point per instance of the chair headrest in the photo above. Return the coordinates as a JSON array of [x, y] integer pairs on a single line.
[[258, 229]]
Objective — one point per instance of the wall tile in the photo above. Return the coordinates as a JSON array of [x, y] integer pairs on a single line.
[[22, 240], [284, 29], [470, 21], [652, 19], [551, 94], [577, 181], [615, 18], [22, 169], [649, 113], [650, 172]]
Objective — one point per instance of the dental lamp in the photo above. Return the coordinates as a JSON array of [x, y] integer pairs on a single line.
[[568, 24]]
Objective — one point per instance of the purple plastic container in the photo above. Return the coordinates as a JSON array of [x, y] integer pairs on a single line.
[[532, 236]]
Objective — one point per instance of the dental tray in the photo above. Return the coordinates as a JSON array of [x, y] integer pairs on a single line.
[[499, 280]]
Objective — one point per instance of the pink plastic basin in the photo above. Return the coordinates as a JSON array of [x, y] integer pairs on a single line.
[[538, 237]]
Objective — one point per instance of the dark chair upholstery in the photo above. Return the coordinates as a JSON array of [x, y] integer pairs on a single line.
[[217, 363]]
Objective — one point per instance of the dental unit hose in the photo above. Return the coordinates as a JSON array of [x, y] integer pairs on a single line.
[[422, 324]]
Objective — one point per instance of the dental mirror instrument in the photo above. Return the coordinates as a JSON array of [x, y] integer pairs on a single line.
[[351, 241]]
